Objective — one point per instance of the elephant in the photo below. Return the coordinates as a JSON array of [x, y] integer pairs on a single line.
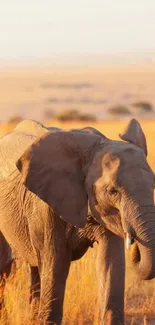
[[62, 191]]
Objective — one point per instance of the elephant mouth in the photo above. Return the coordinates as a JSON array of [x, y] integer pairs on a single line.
[[130, 241], [136, 255]]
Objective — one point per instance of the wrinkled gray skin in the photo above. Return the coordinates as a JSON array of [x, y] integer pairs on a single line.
[[47, 178]]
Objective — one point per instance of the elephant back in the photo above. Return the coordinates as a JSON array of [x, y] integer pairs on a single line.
[[13, 144]]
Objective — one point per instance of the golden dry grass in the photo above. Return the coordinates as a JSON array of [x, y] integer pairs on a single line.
[[80, 306]]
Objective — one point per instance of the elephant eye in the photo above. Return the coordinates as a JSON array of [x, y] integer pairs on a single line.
[[113, 191]]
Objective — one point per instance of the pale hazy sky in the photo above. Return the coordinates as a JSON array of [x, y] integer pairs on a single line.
[[44, 28]]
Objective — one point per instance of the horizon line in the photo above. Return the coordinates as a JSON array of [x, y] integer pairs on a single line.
[[82, 59]]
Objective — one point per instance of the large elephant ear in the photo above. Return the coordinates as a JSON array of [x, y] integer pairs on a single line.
[[135, 135], [53, 169]]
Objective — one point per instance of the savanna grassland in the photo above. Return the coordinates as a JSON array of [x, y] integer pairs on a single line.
[[29, 93]]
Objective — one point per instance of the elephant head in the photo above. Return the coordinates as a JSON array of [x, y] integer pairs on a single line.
[[69, 169]]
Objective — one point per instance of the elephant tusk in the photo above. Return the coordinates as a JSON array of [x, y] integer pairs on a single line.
[[128, 241]]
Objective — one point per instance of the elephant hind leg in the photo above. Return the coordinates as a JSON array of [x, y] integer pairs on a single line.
[[7, 266], [6, 273], [9, 270], [34, 292]]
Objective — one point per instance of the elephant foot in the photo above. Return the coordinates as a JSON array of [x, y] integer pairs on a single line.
[[112, 319]]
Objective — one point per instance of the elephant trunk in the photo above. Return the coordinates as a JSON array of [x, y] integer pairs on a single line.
[[143, 261], [142, 232]]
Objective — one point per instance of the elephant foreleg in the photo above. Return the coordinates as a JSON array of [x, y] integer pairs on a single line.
[[54, 261], [111, 277]]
